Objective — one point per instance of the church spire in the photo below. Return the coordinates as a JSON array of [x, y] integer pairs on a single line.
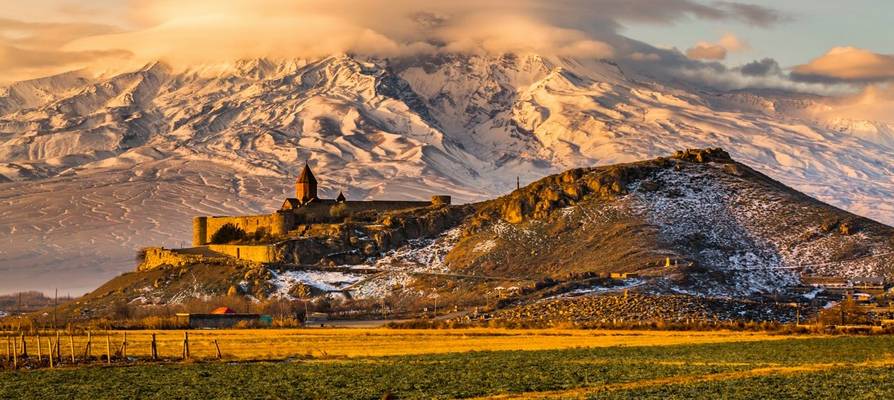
[[307, 176], [306, 186]]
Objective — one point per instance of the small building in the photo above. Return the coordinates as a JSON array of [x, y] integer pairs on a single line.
[[624, 275], [222, 317]]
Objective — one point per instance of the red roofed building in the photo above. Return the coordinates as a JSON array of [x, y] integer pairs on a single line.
[[222, 317]]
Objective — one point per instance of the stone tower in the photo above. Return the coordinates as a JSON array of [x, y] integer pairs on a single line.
[[306, 186]]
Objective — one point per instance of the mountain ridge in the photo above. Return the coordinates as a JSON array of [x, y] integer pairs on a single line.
[[462, 125]]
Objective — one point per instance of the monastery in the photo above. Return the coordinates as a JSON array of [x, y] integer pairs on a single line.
[[306, 212], [305, 208]]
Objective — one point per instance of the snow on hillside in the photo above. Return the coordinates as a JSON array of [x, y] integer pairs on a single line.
[[761, 238], [95, 168], [380, 276]]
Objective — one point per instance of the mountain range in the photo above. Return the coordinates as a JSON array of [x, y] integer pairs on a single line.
[[94, 167]]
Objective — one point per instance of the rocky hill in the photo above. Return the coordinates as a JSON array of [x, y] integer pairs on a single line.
[[696, 225], [93, 168]]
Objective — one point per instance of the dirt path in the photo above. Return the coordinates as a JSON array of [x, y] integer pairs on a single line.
[[584, 392]]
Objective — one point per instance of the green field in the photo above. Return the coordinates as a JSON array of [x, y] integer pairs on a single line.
[[816, 368]]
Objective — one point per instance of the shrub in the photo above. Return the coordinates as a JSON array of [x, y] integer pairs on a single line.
[[141, 254], [339, 210], [227, 234]]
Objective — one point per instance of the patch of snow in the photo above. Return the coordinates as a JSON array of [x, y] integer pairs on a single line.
[[485, 246], [396, 266], [327, 281], [812, 294], [716, 224], [628, 284], [419, 255]]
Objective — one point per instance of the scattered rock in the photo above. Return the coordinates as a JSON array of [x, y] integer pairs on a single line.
[[704, 155], [639, 307]]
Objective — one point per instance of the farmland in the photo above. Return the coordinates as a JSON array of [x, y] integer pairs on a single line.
[[486, 363], [279, 344]]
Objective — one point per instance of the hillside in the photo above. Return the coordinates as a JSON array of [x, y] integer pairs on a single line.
[[93, 168], [727, 229], [697, 229]]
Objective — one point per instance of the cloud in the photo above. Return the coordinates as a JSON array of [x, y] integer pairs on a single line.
[[765, 67], [190, 31], [717, 51], [732, 43], [848, 64], [752, 13], [496, 34], [873, 103], [29, 49], [719, 77], [706, 51]]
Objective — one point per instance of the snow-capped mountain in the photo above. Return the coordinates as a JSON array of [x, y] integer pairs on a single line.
[[95, 167]]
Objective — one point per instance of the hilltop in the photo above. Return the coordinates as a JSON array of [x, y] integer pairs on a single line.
[[690, 235]]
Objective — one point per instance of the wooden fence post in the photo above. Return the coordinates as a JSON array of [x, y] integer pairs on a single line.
[[39, 355], [8, 349], [50, 351], [186, 345], [87, 347], [217, 345], [15, 357], [71, 346], [58, 348], [124, 348], [108, 347], [153, 349], [24, 346]]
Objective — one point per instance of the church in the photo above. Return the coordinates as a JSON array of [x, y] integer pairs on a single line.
[[306, 192]]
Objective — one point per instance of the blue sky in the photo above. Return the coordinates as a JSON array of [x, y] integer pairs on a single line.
[[813, 28]]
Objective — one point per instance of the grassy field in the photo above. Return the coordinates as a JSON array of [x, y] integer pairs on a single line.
[[279, 344], [622, 365]]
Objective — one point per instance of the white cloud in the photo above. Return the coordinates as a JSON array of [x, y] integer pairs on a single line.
[[848, 64], [718, 51], [192, 31]]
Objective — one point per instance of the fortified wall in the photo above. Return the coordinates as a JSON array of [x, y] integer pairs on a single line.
[[278, 223], [155, 257]]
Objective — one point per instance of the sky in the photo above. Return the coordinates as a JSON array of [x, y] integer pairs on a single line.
[[818, 46], [813, 27]]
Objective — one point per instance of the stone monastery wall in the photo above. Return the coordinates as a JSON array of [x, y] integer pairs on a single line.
[[275, 224], [261, 254], [156, 257]]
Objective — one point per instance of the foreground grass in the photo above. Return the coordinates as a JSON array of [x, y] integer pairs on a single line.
[[841, 367]]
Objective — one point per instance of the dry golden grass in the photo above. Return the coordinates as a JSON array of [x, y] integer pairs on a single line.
[[273, 344]]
